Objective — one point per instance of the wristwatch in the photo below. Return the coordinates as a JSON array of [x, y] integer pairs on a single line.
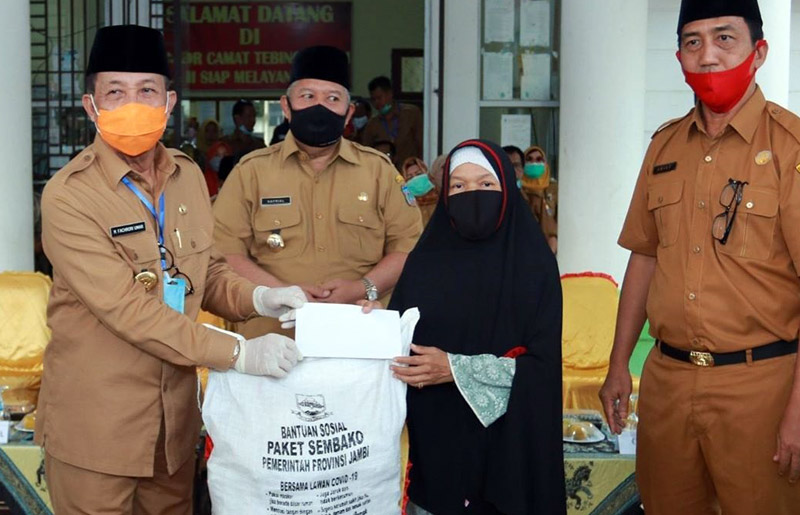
[[371, 292]]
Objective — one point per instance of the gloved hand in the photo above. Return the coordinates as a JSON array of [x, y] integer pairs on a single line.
[[274, 302], [269, 355]]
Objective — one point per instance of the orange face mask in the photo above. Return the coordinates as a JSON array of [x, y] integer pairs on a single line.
[[133, 128]]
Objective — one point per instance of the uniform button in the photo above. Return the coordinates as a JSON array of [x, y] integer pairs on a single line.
[[660, 200], [194, 244], [696, 249], [749, 205], [135, 255], [701, 204], [276, 222], [303, 156], [708, 159], [776, 110], [695, 342], [321, 248], [319, 216], [360, 218], [692, 296], [86, 158]]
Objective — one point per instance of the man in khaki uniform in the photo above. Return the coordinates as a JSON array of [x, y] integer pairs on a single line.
[[715, 254], [400, 124], [127, 225], [317, 210]]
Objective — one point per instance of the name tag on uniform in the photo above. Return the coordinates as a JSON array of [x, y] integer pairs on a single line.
[[275, 201], [667, 167], [174, 292], [122, 230]]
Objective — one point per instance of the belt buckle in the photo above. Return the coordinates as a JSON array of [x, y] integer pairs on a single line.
[[701, 359]]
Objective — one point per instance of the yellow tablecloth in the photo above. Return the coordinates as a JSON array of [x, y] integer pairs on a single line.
[[597, 484], [580, 388]]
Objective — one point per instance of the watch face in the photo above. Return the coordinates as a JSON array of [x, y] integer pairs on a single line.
[[372, 295]]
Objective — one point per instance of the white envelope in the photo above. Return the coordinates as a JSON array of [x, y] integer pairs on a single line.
[[343, 331]]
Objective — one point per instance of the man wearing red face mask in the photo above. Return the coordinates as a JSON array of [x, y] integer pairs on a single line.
[[715, 256], [127, 225]]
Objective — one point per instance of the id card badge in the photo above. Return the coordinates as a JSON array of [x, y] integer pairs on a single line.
[[174, 292]]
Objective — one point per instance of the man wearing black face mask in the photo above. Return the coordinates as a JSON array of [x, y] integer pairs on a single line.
[[317, 210]]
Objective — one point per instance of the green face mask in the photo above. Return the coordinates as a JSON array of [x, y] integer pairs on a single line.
[[385, 109], [534, 170], [419, 185]]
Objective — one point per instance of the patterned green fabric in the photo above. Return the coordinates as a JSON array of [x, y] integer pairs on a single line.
[[485, 383]]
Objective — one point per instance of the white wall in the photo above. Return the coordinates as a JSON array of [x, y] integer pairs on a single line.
[[16, 194], [794, 68], [667, 95]]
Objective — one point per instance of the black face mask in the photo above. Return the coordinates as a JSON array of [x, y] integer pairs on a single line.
[[316, 126], [475, 213]]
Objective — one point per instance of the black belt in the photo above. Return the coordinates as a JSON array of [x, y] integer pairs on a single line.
[[711, 359]]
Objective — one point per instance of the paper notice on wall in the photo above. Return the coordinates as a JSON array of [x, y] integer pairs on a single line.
[[535, 80], [498, 75], [498, 21], [515, 129], [534, 23]]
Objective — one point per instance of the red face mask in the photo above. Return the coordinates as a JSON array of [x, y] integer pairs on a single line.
[[720, 91]]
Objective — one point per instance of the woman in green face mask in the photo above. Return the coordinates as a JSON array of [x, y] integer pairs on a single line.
[[541, 193], [420, 184]]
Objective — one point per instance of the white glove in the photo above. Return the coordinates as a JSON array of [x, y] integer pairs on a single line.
[[274, 302], [269, 355]]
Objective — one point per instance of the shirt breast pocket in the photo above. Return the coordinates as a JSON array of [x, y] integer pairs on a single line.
[[141, 251], [664, 202], [191, 251], [752, 234], [284, 222], [361, 234]]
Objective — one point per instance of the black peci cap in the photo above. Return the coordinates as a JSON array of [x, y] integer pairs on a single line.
[[323, 63], [693, 10], [128, 48]]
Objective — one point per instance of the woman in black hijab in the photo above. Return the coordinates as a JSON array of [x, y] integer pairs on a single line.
[[484, 429]]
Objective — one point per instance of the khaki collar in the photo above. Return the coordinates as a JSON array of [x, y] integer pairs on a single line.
[[345, 150], [745, 122], [114, 168]]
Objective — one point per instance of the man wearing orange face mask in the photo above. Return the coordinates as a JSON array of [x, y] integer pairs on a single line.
[[127, 225], [715, 256]]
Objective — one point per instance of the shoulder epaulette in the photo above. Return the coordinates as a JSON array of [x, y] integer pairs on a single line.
[[786, 119], [80, 162], [370, 150], [668, 123], [260, 152]]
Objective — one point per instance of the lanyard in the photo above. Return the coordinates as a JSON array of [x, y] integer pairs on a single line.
[[159, 217], [393, 133]]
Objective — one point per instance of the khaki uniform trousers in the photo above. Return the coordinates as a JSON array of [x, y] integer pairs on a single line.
[[74, 490], [706, 438]]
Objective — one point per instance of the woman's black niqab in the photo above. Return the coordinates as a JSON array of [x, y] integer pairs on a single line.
[[487, 296]]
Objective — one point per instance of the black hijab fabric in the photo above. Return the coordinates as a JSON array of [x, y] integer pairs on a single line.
[[487, 297]]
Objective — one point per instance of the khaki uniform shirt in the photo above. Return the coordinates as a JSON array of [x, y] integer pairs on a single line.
[[408, 137], [705, 295], [120, 361], [335, 224], [543, 207]]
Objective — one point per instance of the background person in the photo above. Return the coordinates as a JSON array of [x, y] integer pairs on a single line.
[[484, 427], [541, 193], [399, 123], [242, 141], [715, 254], [420, 184]]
